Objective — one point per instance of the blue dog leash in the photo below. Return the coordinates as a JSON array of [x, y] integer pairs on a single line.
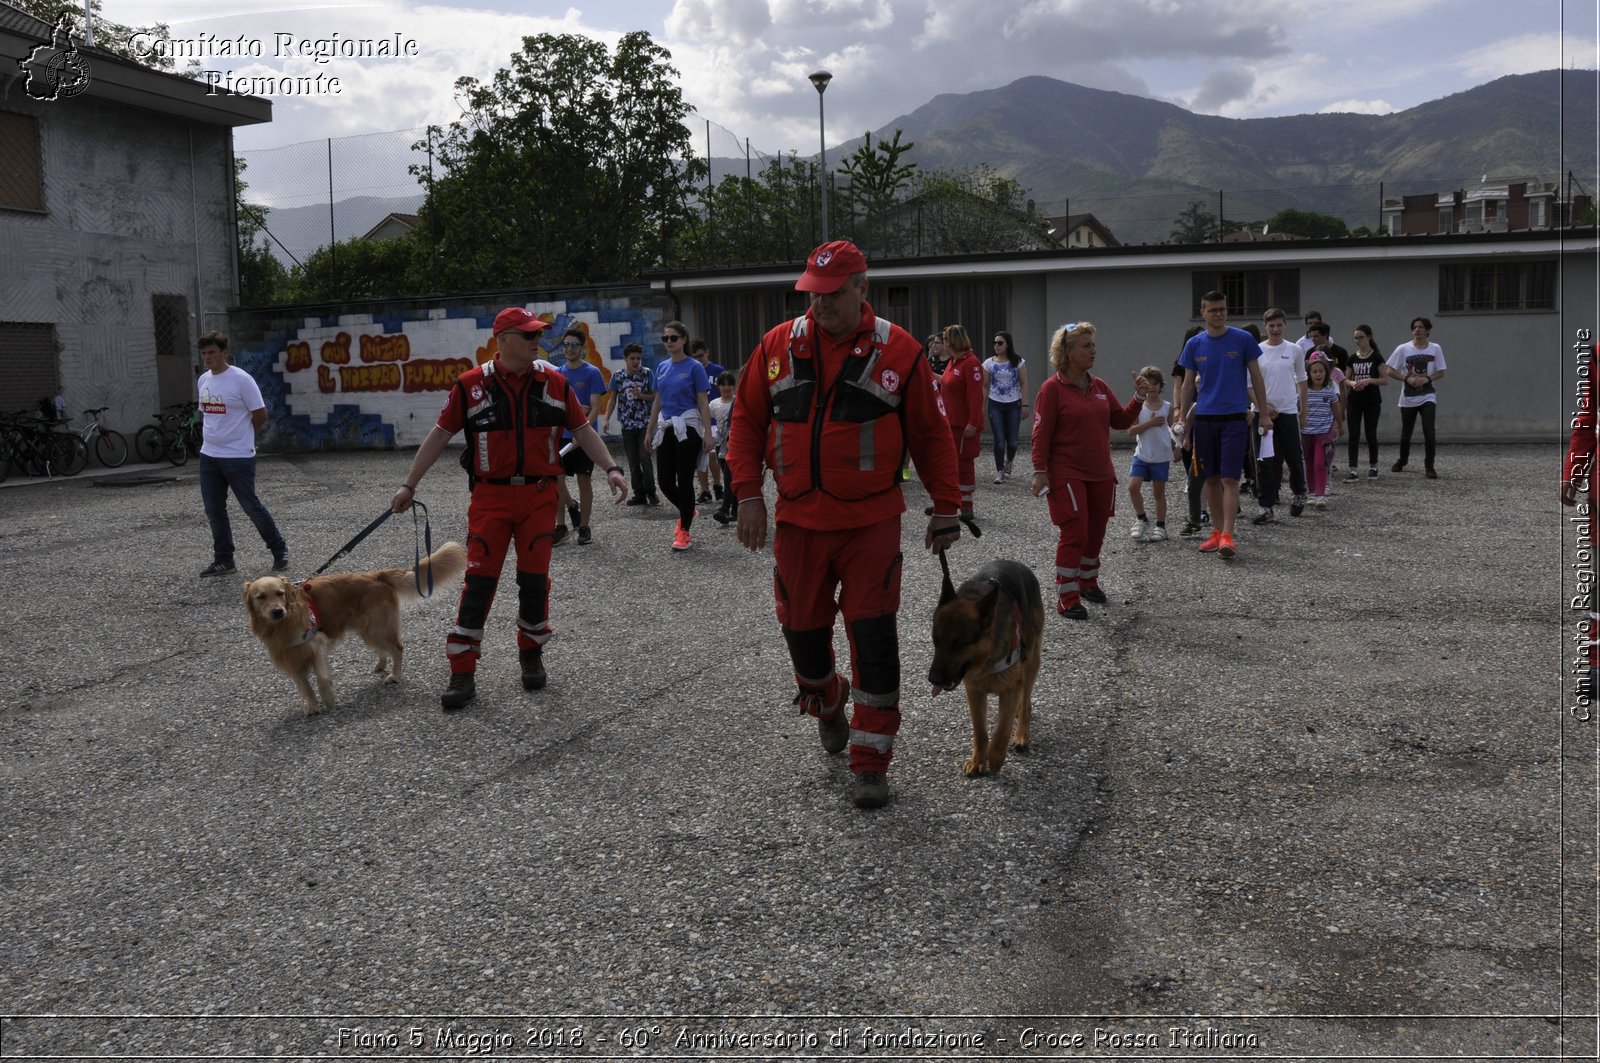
[[417, 548]]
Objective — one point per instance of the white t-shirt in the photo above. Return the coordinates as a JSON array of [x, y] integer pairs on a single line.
[[1409, 358], [226, 399], [1283, 368], [1005, 384], [1153, 444]]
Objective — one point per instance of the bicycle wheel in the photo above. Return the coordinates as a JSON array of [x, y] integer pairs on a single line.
[[147, 443], [172, 447], [68, 454], [111, 447]]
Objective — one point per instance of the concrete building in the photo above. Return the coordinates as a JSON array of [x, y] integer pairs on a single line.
[[1506, 307], [116, 222]]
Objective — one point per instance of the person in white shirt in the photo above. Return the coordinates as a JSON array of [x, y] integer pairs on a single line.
[[1283, 369], [1418, 365], [233, 409]]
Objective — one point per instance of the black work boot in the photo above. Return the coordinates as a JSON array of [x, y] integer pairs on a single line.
[[871, 790], [533, 673], [461, 690]]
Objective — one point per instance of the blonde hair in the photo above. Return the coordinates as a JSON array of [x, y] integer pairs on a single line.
[[955, 338], [1062, 341]]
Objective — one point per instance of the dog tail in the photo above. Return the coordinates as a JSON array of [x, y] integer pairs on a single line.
[[448, 562]]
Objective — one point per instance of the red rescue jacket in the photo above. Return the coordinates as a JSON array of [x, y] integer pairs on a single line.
[[513, 423]]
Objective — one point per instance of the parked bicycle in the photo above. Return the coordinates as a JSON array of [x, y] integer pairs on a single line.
[[110, 445], [28, 446], [166, 438]]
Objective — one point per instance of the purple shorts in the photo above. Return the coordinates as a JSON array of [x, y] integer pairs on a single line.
[[1219, 446]]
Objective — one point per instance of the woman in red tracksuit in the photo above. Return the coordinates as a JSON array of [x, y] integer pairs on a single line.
[[1072, 421], [961, 393]]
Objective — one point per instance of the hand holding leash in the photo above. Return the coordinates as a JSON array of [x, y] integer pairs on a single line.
[[942, 534]]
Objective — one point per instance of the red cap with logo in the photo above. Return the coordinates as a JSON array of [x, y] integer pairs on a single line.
[[514, 317], [830, 266]]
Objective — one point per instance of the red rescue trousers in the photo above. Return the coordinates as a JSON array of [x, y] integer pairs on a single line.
[[967, 451], [501, 516], [1080, 510], [863, 566]]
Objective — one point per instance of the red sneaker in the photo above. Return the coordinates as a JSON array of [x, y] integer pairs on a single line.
[[1211, 545], [680, 538], [1228, 548]]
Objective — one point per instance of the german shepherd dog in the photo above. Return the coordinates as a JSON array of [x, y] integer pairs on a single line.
[[299, 624], [988, 636]]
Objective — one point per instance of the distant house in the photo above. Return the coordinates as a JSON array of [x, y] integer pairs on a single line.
[[1075, 231], [392, 227], [117, 220], [1531, 205]]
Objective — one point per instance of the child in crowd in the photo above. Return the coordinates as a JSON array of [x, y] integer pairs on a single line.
[[721, 420], [1324, 421], [1152, 457]]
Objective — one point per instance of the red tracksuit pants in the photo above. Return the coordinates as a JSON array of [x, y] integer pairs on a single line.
[[521, 517], [862, 566], [967, 451], [1080, 510]]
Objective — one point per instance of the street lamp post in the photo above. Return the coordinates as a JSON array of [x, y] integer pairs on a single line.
[[820, 79]]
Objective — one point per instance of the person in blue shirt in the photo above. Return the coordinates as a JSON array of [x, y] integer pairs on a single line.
[[587, 383], [679, 433]]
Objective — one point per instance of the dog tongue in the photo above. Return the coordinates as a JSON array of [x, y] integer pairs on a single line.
[[936, 688]]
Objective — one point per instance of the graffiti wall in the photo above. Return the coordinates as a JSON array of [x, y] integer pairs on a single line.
[[376, 376]]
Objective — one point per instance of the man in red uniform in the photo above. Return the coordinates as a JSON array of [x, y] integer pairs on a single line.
[[513, 411], [830, 403], [1580, 482]]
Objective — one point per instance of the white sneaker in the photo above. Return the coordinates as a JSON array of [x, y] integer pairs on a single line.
[[1158, 534], [1000, 477], [1319, 501], [1137, 532]]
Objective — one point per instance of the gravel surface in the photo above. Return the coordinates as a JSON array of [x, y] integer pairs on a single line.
[[1309, 803]]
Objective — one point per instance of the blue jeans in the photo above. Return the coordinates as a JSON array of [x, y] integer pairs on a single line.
[[1005, 420], [217, 477]]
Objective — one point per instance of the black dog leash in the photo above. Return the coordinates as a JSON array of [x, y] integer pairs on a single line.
[[426, 542]]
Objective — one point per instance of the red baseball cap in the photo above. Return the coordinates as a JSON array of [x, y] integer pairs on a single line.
[[514, 317], [830, 266]]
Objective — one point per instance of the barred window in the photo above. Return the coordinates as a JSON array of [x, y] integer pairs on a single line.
[[1250, 292], [21, 179], [1497, 286]]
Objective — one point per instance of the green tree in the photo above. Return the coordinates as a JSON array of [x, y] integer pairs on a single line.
[[572, 166], [877, 176], [357, 269], [262, 279], [1194, 225], [113, 37], [1308, 224], [970, 211]]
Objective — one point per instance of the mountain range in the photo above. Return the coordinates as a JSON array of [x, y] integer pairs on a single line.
[[1135, 163]]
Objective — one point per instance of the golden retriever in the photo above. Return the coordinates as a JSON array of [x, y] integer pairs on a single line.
[[366, 603], [987, 636]]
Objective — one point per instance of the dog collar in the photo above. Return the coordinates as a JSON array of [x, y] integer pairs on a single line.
[[313, 621]]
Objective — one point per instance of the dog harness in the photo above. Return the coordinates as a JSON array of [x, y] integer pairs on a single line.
[[313, 621]]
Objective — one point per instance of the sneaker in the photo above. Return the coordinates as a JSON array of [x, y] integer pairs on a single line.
[[1432, 475], [221, 568], [717, 490], [704, 496], [575, 515], [557, 535], [680, 538], [1211, 545], [1137, 532], [653, 500], [1000, 477], [724, 517], [1158, 534], [1320, 501], [533, 673], [1205, 518], [1372, 473], [833, 730], [1095, 595], [280, 562], [1190, 530], [1007, 470], [1398, 466], [636, 500], [461, 690], [1071, 612], [1298, 506], [1227, 548], [1266, 516], [871, 790], [584, 538], [1353, 475]]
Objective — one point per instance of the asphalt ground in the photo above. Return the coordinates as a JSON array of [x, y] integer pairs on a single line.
[[1333, 798]]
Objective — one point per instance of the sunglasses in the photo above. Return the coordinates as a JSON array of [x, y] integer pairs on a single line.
[[999, 343], [670, 338]]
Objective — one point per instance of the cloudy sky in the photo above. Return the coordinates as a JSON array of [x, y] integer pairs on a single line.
[[744, 63]]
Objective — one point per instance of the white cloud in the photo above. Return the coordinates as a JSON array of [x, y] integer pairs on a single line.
[[1527, 53], [1358, 107]]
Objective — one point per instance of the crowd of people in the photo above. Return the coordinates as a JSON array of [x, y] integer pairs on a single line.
[[831, 403]]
